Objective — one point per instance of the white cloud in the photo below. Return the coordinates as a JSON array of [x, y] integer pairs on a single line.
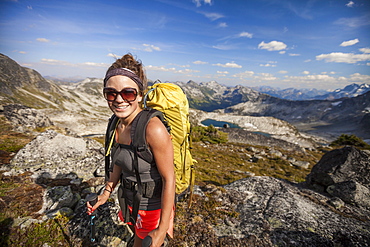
[[272, 46], [212, 16], [222, 24], [112, 55], [339, 57], [49, 61], [92, 64], [354, 22], [228, 65], [54, 62], [246, 34], [179, 65], [159, 68], [150, 48], [245, 74], [364, 50], [222, 72], [199, 62], [224, 47], [265, 77], [186, 71], [283, 72], [350, 4], [331, 73], [173, 70], [43, 40], [350, 42], [306, 72], [360, 78], [294, 55], [198, 3], [317, 80], [311, 78], [268, 65]]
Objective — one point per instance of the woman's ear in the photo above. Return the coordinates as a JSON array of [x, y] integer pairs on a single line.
[[140, 98]]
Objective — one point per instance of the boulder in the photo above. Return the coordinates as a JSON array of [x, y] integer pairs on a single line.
[[286, 214], [24, 118], [351, 192], [55, 155], [343, 173], [340, 165]]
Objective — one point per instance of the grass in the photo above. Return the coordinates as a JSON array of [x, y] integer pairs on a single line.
[[11, 141], [222, 164]]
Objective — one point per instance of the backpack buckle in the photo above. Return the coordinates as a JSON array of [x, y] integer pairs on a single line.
[[141, 149]]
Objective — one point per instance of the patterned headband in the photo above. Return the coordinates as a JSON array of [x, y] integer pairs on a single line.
[[124, 72]]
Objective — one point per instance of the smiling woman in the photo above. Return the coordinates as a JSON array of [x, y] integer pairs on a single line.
[[149, 214]]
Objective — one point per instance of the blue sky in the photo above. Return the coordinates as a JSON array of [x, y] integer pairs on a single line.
[[323, 44]]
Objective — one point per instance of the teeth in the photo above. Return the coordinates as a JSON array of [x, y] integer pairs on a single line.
[[121, 107]]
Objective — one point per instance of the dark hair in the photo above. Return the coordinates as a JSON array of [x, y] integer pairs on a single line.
[[135, 65]]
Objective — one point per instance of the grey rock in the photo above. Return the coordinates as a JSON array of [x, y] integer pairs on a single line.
[[293, 216], [57, 197], [302, 164], [351, 192], [24, 118], [340, 165], [336, 202], [52, 154]]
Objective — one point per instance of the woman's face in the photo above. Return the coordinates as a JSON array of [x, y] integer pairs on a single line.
[[121, 107]]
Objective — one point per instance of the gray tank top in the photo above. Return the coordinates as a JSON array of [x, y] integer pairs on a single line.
[[123, 156]]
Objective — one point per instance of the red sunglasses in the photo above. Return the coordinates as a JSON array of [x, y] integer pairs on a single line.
[[127, 94]]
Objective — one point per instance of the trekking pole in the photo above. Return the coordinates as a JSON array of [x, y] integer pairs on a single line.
[[147, 241], [92, 199]]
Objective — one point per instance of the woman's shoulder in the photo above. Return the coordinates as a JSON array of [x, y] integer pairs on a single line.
[[155, 128]]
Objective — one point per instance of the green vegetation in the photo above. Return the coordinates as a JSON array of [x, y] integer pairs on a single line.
[[222, 164], [11, 141], [50, 232], [351, 140], [208, 134]]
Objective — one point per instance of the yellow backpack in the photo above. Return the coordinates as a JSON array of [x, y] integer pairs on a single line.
[[169, 99]]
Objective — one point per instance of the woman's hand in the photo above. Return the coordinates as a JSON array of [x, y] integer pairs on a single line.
[[158, 237], [101, 200]]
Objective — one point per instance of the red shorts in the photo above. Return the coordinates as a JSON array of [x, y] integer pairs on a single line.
[[148, 220]]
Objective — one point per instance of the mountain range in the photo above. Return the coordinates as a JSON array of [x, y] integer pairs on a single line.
[[349, 91], [83, 100]]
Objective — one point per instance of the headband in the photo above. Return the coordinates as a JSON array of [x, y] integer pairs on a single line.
[[124, 72]]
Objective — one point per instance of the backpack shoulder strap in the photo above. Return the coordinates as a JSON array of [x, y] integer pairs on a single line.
[[140, 147], [109, 140]]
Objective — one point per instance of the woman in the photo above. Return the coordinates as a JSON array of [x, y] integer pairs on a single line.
[[124, 86]]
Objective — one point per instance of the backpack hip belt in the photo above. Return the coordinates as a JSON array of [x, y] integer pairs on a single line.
[[151, 189]]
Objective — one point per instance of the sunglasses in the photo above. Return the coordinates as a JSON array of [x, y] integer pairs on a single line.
[[127, 94]]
